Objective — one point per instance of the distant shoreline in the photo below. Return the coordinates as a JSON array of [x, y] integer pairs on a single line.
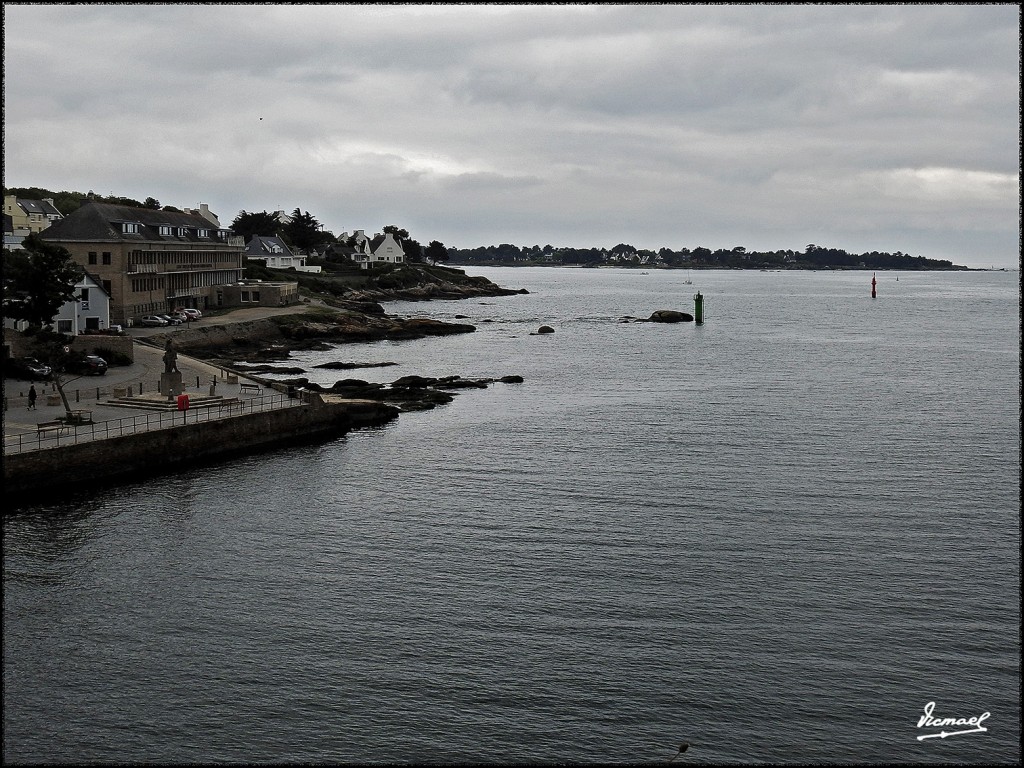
[[707, 267]]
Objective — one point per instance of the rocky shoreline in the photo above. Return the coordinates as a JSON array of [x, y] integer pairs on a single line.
[[274, 338], [253, 347]]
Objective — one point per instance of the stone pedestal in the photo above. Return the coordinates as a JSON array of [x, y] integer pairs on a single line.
[[170, 385]]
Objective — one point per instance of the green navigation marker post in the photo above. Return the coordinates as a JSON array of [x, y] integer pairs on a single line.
[[698, 308]]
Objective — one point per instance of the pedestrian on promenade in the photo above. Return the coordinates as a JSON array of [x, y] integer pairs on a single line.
[[32, 397]]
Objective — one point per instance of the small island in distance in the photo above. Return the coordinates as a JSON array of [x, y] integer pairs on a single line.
[[623, 255]]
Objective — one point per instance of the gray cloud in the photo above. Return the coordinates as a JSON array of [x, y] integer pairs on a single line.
[[865, 127]]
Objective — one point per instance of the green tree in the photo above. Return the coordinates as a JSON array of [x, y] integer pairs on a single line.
[[304, 231], [401, 234], [247, 224], [41, 281], [151, 202], [436, 251], [413, 251]]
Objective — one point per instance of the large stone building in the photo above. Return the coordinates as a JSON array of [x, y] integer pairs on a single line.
[[150, 261]]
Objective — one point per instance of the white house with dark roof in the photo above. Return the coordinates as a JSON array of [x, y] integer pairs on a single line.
[[273, 252], [388, 251], [89, 310]]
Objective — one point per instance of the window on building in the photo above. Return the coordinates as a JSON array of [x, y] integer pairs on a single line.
[[64, 326], [106, 257], [245, 296], [256, 296], [203, 233], [130, 228], [182, 231], [85, 294], [92, 257], [166, 230]]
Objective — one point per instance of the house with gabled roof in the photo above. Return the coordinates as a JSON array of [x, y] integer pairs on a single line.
[[388, 250], [30, 215], [89, 310], [150, 261], [204, 211], [276, 254], [367, 252]]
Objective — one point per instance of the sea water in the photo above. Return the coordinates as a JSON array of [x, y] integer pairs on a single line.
[[778, 536]]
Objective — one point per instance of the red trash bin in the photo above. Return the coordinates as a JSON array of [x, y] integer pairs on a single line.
[[182, 402]]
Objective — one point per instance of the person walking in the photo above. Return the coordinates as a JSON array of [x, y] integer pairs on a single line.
[[32, 397]]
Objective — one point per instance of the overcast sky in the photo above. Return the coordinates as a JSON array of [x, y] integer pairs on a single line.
[[891, 128]]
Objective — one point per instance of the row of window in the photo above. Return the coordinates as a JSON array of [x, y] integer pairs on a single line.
[[167, 230], [147, 309], [184, 257], [148, 284], [201, 279], [92, 257]]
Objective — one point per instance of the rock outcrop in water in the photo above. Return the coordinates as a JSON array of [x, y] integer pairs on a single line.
[[409, 393], [273, 338], [670, 316]]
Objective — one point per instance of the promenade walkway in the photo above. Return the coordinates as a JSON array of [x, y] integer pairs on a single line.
[[92, 394]]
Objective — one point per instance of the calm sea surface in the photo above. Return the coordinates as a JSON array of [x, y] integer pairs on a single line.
[[778, 536]]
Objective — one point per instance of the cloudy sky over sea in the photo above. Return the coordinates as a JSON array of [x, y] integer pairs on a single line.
[[891, 128]]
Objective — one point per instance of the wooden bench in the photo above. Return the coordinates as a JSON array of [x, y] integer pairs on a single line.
[[51, 426], [246, 387]]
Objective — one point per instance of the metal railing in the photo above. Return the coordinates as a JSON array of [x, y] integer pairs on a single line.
[[74, 434], [76, 393]]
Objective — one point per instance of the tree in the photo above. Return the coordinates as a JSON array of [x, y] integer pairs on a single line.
[[303, 231], [413, 250], [151, 202], [248, 224], [436, 251], [41, 281], [401, 234]]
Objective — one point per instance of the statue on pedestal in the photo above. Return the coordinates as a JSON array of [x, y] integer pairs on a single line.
[[170, 358], [170, 379]]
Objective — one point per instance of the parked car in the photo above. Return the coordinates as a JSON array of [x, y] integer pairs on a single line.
[[153, 320], [187, 313], [27, 368], [172, 319], [91, 365]]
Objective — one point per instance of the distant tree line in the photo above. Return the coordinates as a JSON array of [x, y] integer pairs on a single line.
[[625, 255], [69, 202]]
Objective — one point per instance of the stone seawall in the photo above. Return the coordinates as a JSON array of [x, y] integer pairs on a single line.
[[87, 344], [38, 474]]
